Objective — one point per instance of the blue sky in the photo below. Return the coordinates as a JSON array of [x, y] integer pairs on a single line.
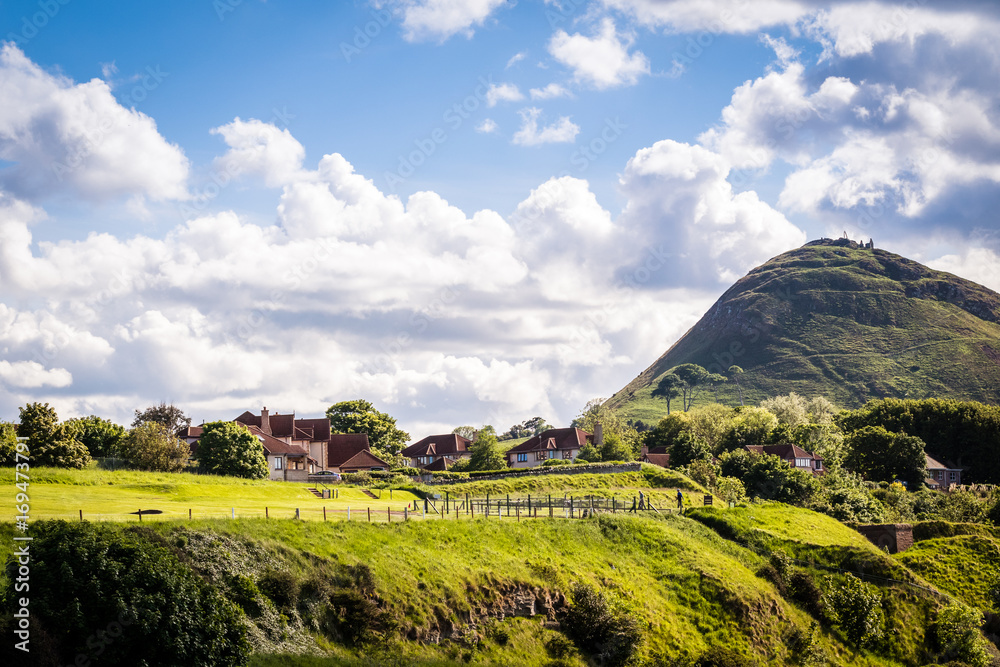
[[466, 211]]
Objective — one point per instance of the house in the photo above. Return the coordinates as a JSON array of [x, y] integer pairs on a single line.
[[794, 455], [657, 456], [555, 443], [350, 452], [940, 476], [297, 448], [285, 462], [434, 448]]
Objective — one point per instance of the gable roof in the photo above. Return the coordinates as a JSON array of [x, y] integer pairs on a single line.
[[343, 446], [450, 443], [934, 464], [364, 459], [442, 463], [554, 438], [662, 460], [274, 446]]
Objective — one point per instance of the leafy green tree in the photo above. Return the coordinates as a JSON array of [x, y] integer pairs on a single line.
[[668, 388], [966, 432], [486, 452], [692, 376], [590, 454], [791, 410], [749, 426], [615, 448], [150, 446], [467, 432], [713, 380], [769, 477], [667, 430], [101, 437], [603, 626], [49, 442], [689, 447], [820, 410], [882, 456], [101, 586], [170, 416], [959, 636], [711, 423], [38, 423], [228, 448], [360, 416], [857, 608], [597, 412], [8, 443]]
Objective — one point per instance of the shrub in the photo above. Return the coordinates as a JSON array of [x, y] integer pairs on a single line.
[[602, 627], [281, 587], [803, 589], [228, 448], [857, 608], [803, 646], [958, 634], [731, 490], [150, 446], [106, 591], [556, 462]]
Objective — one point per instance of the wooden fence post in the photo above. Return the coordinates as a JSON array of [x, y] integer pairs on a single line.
[[324, 512], [140, 516], [81, 515], [388, 513], [296, 512], [369, 515], [189, 513], [267, 514]]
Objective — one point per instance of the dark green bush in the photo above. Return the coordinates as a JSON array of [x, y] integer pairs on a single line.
[[803, 589], [602, 628], [281, 587], [114, 594]]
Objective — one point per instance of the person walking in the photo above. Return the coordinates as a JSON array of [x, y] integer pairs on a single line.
[[680, 500], [642, 501]]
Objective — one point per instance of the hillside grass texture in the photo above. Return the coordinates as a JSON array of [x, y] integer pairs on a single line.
[[848, 324]]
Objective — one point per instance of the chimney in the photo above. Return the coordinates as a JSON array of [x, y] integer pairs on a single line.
[[265, 421], [598, 435]]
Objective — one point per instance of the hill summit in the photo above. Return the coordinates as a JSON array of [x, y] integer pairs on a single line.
[[841, 319]]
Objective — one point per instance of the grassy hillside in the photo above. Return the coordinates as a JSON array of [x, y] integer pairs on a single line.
[[965, 566], [848, 323]]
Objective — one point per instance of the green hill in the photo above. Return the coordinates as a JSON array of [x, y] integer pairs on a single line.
[[835, 319]]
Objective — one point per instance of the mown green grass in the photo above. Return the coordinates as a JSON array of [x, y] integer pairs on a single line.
[[966, 566]]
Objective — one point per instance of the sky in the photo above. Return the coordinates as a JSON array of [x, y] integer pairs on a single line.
[[464, 211]]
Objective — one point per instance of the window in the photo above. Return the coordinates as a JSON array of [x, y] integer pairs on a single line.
[[819, 465], [568, 454], [552, 454], [802, 463], [521, 458], [541, 456], [953, 476], [277, 463]]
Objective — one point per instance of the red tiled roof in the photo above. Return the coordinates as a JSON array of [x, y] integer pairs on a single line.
[[364, 459], [442, 463], [189, 432], [785, 451], [287, 426], [274, 446], [662, 460], [555, 438], [343, 446], [451, 443]]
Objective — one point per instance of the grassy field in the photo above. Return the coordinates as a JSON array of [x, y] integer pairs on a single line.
[[112, 495]]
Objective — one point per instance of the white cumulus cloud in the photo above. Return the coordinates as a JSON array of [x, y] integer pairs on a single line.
[[531, 134], [603, 60]]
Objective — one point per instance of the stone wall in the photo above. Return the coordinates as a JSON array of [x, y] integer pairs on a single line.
[[895, 537]]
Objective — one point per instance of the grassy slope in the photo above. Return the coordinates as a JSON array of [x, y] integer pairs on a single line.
[[689, 587], [843, 323], [964, 566]]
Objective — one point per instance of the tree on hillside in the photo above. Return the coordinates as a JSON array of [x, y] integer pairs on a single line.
[[791, 410], [360, 416], [486, 452], [151, 446], [668, 388], [667, 430], [882, 456], [526, 429], [857, 608], [688, 448], [713, 380], [101, 437], [735, 372], [750, 426], [692, 376], [49, 442], [597, 412], [172, 417], [228, 448]]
